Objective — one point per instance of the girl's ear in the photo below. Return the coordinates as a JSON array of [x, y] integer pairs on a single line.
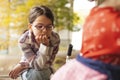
[[29, 26]]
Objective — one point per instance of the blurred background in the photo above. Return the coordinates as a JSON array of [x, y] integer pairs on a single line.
[[69, 18]]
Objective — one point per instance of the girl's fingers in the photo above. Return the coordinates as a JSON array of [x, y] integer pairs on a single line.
[[15, 72], [37, 38], [42, 39], [12, 74], [45, 39]]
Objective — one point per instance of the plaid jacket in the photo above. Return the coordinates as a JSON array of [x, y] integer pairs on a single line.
[[37, 55]]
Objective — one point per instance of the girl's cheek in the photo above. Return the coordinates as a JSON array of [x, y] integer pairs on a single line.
[[49, 34], [36, 33]]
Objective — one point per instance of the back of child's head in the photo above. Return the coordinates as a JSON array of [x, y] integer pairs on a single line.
[[110, 3], [38, 11], [98, 2]]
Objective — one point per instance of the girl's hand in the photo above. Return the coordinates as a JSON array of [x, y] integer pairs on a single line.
[[16, 71], [42, 39]]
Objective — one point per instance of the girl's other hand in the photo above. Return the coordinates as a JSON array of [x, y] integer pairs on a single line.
[[16, 71]]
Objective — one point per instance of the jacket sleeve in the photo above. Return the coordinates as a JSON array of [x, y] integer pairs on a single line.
[[28, 53], [25, 47], [46, 54]]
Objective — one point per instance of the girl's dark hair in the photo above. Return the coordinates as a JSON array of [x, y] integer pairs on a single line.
[[38, 11]]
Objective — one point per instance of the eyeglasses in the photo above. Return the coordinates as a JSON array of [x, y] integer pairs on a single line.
[[41, 27]]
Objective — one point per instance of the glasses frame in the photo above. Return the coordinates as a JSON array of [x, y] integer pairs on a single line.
[[41, 27]]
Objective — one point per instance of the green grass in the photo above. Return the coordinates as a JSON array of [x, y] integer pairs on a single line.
[[59, 61]]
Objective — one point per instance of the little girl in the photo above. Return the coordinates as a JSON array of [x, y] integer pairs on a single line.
[[99, 57], [39, 44]]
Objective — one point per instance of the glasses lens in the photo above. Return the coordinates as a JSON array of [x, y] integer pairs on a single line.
[[50, 27], [40, 27]]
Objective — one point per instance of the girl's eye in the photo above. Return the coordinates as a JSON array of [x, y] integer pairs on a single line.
[[50, 26], [39, 26]]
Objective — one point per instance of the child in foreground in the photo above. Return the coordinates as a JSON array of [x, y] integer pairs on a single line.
[[99, 57]]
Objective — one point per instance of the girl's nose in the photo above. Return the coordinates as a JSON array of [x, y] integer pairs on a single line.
[[44, 30]]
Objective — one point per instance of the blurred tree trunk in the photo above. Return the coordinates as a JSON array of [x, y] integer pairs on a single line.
[[71, 20], [8, 28]]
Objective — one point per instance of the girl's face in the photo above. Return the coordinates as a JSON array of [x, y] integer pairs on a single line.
[[42, 26]]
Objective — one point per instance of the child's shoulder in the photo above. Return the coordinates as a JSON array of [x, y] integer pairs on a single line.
[[54, 39], [24, 36]]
